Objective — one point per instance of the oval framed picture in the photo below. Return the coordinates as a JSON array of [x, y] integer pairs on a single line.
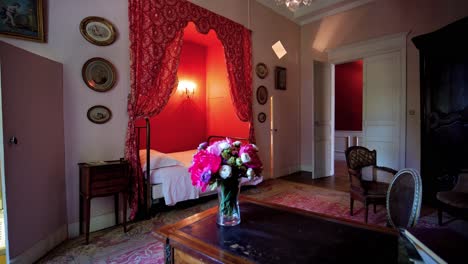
[[98, 31], [99, 114], [262, 95], [261, 117], [99, 74], [261, 70]]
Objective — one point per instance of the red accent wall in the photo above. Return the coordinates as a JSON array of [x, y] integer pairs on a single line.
[[182, 124], [221, 115], [348, 96], [185, 123]]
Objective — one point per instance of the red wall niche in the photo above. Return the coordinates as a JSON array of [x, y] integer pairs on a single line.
[[348, 96], [182, 123], [222, 119]]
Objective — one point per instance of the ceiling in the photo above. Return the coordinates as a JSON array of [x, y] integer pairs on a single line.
[[316, 11]]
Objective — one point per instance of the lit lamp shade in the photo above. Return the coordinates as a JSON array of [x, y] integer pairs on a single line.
[[187, 88]]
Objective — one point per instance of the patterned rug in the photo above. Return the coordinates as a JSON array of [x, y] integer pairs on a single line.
[[139, 246]]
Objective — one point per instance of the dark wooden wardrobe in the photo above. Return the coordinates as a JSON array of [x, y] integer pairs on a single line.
[[444, 106]]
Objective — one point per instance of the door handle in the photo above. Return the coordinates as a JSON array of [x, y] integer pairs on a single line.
[[13, 141], [274, 130]]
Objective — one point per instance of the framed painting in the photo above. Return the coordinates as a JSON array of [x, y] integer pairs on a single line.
[[99, 74], [99, 114], [98, 31], [22, 19], [280, 78]]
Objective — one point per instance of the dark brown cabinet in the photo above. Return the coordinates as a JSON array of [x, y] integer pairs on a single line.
[[444, 106], [99, 179]]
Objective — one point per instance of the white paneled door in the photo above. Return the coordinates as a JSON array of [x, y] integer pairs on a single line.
[[382, 108], [323, 120]]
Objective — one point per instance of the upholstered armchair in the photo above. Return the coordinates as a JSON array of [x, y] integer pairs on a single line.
[[455, 201], [364, 175]]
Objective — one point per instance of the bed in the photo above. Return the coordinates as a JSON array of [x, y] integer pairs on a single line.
[[168, 178]]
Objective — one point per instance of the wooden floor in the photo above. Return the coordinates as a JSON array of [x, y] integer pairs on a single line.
[[339, 181]]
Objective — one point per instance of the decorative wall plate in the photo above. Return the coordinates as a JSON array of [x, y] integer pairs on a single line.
[[98, 30], [262, 70], [261, 117], [99, 74], [262, 95], [99, 114]]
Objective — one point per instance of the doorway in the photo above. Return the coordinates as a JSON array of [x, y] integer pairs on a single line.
[[383, 122], [348, 111]]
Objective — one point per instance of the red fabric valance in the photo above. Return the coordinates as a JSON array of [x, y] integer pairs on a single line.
[[156, 32]]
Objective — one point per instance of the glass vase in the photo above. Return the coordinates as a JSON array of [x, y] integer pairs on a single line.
[[228, 198]]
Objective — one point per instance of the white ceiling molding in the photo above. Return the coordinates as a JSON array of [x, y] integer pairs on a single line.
[[335, 11], [316, 11], [315, 6]]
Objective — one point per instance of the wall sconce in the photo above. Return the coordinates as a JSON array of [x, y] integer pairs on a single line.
[[187, 88]]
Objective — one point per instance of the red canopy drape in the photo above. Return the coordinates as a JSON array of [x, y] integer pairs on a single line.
[[156, 31]]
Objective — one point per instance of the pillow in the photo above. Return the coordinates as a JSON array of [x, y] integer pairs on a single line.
[[157, 160]]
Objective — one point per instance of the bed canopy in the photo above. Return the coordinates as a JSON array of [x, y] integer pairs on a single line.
[[156, 32]]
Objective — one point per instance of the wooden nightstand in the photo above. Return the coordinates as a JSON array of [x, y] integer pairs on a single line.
[[103, 178]]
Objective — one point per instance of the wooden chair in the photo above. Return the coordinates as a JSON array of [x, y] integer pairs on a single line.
[[455, 201], [364, 190], [404, 199]]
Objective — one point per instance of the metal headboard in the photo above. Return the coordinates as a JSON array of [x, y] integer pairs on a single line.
[[147, 128], [224, 137]]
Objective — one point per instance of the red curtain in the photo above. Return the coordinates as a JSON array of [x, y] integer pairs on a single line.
[[156, 31]]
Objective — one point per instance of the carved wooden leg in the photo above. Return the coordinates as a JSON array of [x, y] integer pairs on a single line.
[[351, 204], [87, 213], [125, 196], [81, 214], [367, 210], [375, 208], [439, 214], [116, 208]]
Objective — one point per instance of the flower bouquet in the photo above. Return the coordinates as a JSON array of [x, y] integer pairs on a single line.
[[222, 165]]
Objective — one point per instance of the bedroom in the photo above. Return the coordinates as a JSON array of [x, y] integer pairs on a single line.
[[85, 141]]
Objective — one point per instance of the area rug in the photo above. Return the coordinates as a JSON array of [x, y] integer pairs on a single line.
[[138, 245]]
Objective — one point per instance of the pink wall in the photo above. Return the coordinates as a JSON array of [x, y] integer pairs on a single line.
[[182, 124], [221, 116], [348, 96], [32, 100], [377, 19], [85, 141]]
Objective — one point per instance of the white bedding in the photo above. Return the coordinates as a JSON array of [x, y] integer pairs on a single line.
[[174, 183]]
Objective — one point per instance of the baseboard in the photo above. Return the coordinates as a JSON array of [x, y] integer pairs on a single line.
[[96, 223], [42, 247]]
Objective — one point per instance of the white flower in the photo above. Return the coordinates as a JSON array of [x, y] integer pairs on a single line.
[[237, 143], [245, 158], [254, 147], [250, 173], [225, 171], [224, 145]]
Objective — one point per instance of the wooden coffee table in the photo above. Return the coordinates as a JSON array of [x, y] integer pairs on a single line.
[[272, 233]]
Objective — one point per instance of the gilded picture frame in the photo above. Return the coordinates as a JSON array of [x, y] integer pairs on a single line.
[[22, 19], [99, 74], [262, 95], [261, 70], [98, 31], [99, 114]]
